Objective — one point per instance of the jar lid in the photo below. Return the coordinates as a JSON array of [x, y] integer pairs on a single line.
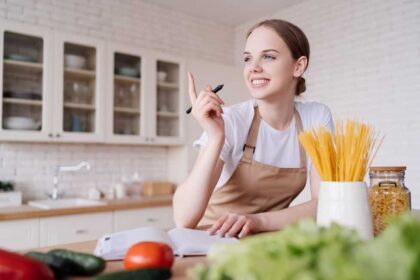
[[387, 168]]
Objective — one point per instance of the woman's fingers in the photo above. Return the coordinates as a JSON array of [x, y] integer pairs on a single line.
[[246, 229], [237, 227], [211, 106], [191, 88], [204, 98], [215, 227], [227, 225]]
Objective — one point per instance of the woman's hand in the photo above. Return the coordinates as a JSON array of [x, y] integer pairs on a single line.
[[231, 225], [207, 109]]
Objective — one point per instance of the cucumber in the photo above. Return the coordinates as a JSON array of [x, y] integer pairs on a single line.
[[82, 264], [138, 274], [60, 266]]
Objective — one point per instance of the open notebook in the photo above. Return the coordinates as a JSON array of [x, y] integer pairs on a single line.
[[184, 242]]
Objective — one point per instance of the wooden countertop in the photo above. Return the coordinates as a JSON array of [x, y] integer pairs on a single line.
[[26, 212], [179, 268]]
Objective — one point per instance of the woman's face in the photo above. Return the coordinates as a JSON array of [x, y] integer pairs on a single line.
[[269, 65]]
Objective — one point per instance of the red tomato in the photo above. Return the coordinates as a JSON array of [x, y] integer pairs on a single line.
[[149, 254]]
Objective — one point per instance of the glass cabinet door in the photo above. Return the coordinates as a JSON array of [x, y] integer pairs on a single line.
[[168, 97], [126, 95], [23, 62], [79, 110]]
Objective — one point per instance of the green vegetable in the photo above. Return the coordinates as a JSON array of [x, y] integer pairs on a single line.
[[82, 264], [306, 251], [60, 266], [138, 274]]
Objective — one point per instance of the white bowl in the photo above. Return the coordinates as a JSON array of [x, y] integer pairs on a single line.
[[161, 76], [74, 61], [20, 123]]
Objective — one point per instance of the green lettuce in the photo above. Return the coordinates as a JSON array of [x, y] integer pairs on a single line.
[[308, 252]]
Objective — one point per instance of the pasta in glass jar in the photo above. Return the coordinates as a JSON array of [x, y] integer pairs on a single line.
[[388, 195]]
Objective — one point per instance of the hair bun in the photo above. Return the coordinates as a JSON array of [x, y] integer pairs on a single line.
[[301, 86]]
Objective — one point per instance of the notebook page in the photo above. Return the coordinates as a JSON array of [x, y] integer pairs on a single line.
[[195, 242], [114, 246]]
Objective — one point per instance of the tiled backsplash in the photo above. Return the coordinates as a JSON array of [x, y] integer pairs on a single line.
[[32, 166]]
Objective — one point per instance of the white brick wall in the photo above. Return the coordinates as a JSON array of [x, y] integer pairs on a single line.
[[129, 22], [365, 63]]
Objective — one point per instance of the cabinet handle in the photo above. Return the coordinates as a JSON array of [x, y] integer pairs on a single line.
[[151, 220], [57, 135], [80, 231], [50, 135]]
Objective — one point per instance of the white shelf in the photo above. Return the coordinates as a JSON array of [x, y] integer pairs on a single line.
[[167, 114], [168, 85], [80, 72], [16, 64], [79, 106], [21, 101], [126, 79], [125, 110]]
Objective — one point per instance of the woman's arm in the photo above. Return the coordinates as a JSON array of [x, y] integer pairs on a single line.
[[192, 196], [236, 224]]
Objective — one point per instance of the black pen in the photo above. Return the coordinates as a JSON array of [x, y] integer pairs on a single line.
[[215, 90]]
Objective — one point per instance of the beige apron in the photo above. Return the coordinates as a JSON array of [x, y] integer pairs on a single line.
[[255, 187]]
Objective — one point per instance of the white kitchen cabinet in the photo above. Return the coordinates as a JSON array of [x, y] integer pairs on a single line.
[[61, 87], [127, 95], [25, 82], [145, 101], [74, 228], [79, 99], [19, 234], [161, 217], [167, 107]]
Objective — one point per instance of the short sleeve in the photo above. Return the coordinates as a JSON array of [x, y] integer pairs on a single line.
[[327, 119], [229, 136]]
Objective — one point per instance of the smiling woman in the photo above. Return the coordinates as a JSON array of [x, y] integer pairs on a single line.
[[251, 166]]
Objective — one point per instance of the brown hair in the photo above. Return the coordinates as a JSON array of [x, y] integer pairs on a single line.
[[294, 38]]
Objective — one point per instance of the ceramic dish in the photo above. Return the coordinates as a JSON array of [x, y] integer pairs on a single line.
[[127, 71], [20, 123], [74, 61]]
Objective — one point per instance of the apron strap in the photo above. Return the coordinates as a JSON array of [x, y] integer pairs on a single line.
[[249, 147], [299, 126]]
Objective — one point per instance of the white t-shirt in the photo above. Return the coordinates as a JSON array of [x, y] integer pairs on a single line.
[[274, 147]]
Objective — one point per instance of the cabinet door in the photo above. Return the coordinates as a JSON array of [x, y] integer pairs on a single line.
[[74, 228], [126, 79], [167, 106], [79, 98], [161, 217], [25, 82], [19, 234]]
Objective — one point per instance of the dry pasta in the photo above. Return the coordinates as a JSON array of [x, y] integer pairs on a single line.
[[344, 156]]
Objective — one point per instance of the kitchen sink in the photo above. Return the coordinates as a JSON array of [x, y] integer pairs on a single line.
[[65, 203]]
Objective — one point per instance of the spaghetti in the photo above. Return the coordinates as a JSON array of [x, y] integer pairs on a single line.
[[344, 156]]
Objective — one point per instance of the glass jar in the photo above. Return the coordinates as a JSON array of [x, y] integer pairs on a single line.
[[388, 195]]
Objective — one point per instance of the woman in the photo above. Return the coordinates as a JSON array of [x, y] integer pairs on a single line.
[[251, 165]]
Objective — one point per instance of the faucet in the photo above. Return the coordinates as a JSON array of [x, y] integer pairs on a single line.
[[55, 193]]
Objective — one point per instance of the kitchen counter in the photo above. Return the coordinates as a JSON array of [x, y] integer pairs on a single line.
[[179, 269], [26, 212]]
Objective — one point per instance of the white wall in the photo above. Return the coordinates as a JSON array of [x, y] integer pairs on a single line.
[[365, 64], [130, 22]]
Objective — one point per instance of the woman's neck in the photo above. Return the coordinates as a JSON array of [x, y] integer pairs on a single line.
[[278, 114]]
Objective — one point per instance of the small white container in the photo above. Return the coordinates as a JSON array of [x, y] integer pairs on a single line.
[[10, 199], [74, 61], [347, 204], [161, 76], [120, 190]]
